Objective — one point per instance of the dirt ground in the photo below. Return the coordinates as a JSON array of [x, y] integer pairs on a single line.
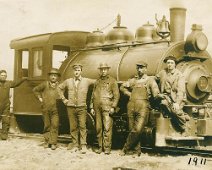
[[27, 154]]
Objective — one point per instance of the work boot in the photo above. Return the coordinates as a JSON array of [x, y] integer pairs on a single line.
[[139, 152], [122, 152], [138, 149], [46, 145], [83, 150], [107, 151], [53, 147], [98, 151], [4, 136], [187, 118], [72, 148]]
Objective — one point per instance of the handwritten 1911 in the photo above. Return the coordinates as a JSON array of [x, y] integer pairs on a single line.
[[197, 161]]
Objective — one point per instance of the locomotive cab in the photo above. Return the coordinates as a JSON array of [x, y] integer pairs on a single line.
[[34, 57]]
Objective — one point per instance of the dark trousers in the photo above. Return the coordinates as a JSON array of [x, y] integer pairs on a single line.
[[5, 117], [77, 120], [138, 112], [104, 126], [177, 117], [51, 125]]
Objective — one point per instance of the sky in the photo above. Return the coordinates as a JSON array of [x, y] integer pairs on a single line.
[[20, 18]]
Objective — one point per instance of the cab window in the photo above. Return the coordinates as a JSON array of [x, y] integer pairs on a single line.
[[59, 54], [37, 55], [24, 58]]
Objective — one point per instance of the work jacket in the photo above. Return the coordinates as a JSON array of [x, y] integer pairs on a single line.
[[77, 94], [106, 92], [172, 84], [48, 92]]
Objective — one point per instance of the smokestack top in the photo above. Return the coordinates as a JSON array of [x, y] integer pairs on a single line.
[[178, 8], [177, 24]]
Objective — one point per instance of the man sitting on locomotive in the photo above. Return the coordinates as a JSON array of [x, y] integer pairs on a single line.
[[140, 89], [5, 114], [47, 94], [172, 88]]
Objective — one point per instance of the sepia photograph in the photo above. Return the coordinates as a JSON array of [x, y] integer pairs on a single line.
[[105, 85]]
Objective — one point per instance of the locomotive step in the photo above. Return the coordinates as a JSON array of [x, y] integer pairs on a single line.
[[178, 138]]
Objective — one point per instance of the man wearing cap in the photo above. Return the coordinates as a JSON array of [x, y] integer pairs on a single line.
[[105, 98], [5, 114], [172, 86], [139, 89], [47, 94], [76, 106]]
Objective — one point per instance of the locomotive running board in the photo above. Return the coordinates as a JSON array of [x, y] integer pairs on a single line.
[[179, 138]]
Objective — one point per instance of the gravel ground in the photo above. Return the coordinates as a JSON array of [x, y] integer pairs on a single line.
[[28, 154]]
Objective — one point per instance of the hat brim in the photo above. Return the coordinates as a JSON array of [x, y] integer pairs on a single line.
[[55, 73], [103, 67], [137, 65], [165, 60]]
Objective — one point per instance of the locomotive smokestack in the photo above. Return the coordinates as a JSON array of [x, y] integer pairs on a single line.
[[177, 24]]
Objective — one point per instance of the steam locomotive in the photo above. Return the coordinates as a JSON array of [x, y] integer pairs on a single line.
[[35, 55]]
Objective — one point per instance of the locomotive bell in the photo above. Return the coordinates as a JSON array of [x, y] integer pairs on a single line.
[[119, 34], [163, 28], [145, 33], [96, 38]]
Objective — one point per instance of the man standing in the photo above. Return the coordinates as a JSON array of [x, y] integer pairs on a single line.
[[47, 94], [76, 106], [172, 87], [139, 90], [5, 101], [105, 98]]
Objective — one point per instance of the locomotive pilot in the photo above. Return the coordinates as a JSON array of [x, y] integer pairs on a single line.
[[172, 88], [47, 94], [5, 114], [105, 98], [76, 107], [139, 89]]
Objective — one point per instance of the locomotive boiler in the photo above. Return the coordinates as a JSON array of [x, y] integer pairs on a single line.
[[35, 55]]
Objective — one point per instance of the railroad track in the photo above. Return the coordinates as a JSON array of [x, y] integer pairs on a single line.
[[177, 151]]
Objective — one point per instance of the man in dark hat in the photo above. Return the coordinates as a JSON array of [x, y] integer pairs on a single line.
[[105, 98], [47, 94], [139, 89], [172, 86], [76, 106], [5, 114]]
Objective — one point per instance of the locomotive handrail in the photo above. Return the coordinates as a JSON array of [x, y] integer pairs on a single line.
[[117, 45]]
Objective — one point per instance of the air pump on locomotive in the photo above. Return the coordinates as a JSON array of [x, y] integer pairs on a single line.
[[35, 55]]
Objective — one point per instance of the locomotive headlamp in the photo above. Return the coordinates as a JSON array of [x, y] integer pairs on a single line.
[[203, 84], [196, 40]]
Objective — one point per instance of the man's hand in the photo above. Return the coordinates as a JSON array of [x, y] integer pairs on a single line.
[[176, 106], [65, 101], [40, 99], [161, 96], [92, 112], [112, 110]]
